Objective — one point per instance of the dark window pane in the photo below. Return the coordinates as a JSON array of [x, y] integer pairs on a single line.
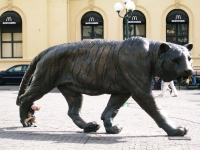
[[98, 31], [87, 31], [182, 29], [140, 29], [135, 30], [171, 29], [182, 40], [171, 39]]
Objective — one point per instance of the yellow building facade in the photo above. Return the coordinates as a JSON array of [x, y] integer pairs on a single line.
[[30, 26]]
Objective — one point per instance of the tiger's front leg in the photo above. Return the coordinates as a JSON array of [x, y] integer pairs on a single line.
[[147, 102], [74, 101], [113, 106]]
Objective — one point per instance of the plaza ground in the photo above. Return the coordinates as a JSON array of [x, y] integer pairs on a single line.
[[56, 131]]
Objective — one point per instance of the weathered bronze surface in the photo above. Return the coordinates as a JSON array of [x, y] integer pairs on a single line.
[[120, 68]]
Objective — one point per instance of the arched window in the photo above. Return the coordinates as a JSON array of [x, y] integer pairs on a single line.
[[137, 25], [92, 26], [177, 27], [11, 35]]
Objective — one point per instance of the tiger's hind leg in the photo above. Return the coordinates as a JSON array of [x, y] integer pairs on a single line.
[[74, 101], [25, 101], [113, 106]]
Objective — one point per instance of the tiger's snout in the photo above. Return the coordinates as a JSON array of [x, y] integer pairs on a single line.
[[189, 72]]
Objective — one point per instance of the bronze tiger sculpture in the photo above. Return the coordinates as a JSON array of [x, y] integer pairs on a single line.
[[120, 68]]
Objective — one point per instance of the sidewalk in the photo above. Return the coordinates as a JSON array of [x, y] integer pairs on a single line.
[[56, 131]]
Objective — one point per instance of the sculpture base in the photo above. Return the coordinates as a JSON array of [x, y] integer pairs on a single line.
[[179, 138]]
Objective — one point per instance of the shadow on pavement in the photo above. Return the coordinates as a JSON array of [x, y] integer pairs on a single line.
[[66, 136]]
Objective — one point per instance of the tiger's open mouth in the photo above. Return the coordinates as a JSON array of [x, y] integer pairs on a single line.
[[183, 81]]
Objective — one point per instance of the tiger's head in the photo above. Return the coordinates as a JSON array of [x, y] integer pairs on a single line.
[[174, 62]]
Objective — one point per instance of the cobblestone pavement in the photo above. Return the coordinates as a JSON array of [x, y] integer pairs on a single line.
[[56, 131]]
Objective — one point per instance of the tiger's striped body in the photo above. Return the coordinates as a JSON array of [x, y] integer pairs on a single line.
[[120, 68]]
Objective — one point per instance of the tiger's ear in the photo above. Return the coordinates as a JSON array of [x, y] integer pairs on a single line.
[[189, 46], [164, 47]]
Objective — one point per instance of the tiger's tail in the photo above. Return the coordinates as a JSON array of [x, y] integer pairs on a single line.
[[27, 76]]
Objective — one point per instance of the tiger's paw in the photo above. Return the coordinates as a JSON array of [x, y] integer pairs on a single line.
[[91, 127], [113, 129], [180, 131]]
